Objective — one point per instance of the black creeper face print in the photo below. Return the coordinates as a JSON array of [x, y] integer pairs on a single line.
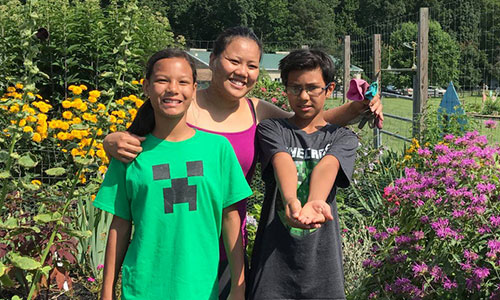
[[181, 191]]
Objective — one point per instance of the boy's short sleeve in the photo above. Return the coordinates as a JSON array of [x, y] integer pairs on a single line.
[[112, 196], [234, 184], [344, 145], [270, 141]]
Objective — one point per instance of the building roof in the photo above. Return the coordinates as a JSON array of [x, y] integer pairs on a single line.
[[269, 61]]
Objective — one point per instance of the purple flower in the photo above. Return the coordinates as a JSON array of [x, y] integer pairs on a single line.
[[495, 221], [481, 273], [494, 245], [448, 137], [419, 269], [418, 235], [448, 284], [371, 229], [470, 255], [393, 230]]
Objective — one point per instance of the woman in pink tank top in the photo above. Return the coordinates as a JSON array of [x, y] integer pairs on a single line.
[[223, 108]]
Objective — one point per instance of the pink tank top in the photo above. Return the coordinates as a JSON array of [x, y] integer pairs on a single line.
[[243, 143]]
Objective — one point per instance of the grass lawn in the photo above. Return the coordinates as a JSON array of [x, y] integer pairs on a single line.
[[403, 108]]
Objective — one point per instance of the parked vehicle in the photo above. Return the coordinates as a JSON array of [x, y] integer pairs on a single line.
[[391, 89], [433, 91]]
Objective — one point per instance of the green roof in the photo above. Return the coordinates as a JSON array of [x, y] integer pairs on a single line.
[[269, 61]]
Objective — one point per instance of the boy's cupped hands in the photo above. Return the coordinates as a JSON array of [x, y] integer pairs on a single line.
[[312, 215]]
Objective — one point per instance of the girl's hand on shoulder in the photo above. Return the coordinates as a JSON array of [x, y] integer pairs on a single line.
[[123, 145], [315, 212]]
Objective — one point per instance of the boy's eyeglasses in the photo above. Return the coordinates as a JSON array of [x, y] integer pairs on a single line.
[[310, 90]]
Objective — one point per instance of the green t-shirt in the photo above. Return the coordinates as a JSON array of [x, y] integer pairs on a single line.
[[174, 193]]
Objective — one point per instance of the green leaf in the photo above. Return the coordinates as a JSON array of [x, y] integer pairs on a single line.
[[14, 155], [3, 268], [83, 161], [46, 218], [31, 186], [79, 126], [55, 171], [27, 162], [84, 234], [45, 270], [24, 262], [107, 74], [4, 175], [4, 155], [11, 223], [16, 297]]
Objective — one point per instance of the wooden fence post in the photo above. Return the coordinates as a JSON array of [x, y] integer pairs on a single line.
[[421, 94], [347, 67], [377, 66]]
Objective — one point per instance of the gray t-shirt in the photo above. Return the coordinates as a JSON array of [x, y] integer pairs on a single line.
[[290, 263]]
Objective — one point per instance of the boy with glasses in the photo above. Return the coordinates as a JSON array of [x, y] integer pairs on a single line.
[[297, 252]]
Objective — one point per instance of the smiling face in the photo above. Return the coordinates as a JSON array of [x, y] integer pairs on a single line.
[[305, 106], [170, 88], [235, 70]]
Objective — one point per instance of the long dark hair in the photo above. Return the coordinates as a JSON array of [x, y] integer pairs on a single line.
[[144, 121], [231, 33]]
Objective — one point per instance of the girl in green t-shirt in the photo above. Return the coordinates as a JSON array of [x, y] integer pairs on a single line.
[[179, 193]]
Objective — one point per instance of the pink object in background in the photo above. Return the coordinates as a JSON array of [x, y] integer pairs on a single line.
[[357, 89]]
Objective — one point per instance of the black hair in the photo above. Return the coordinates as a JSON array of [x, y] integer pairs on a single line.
[[230, 34], [144, 121], [307, 59]]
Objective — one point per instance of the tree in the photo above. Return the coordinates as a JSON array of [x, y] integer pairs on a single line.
[[443, 55]]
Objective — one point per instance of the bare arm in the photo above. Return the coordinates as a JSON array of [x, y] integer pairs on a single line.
[[233, 243], [118, 241], [340, 115], [286, 178], [323, 176], [123, 145]]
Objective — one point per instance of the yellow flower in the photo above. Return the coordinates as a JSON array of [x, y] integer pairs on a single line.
[[99, 132], [76, 120], [83, 107], [101, 106], [64, 126], [133, 98], [11, 89], [141, 81], [37, 182], [66, 104], [112, 119], [83, 87], [82, 178], [30, 119], [14, 108], [62, 135], [71, 87], [103, 169], [92, 197], [135, 82], [138, 103], [120, 101], [22, 123], [89, 117], [36, 137], [52, 124], [95, 93], [42, 130], [42, 118], [101, 153], [67, 115], [92, 152], [28, 129], [112, 128], [38, 96], [75, 151], [407, 157], [30, 94], [119, 121], [128, 124], [92, 99], [19, 86], [77, 90], [64, 150]]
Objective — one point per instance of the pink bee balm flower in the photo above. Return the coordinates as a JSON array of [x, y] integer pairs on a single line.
[[90, 279], [274, 100], [490, 124], [101, 266]]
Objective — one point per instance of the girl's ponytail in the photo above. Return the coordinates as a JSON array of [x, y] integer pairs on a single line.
[[144, 121]]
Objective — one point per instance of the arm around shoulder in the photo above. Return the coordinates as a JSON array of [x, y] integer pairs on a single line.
[[123, 145], [265, 110]]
